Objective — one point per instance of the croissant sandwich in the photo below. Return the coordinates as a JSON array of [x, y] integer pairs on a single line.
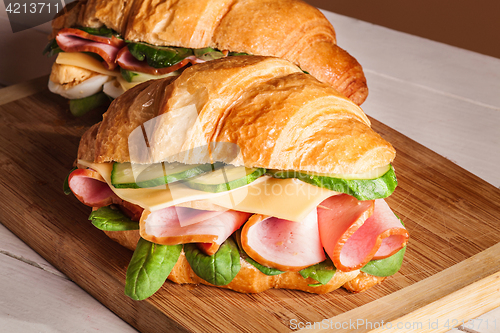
[[243, 173], [106, 47]]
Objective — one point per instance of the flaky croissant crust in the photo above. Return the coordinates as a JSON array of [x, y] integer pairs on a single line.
[[289, 29], [275, 116]]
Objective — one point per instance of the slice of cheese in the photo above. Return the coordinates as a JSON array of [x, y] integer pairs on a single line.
[[83, 60], [125, 84], [289, 199]]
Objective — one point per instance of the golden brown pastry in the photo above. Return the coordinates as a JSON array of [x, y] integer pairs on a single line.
[[230, 99], [289, 29], [363, 282]]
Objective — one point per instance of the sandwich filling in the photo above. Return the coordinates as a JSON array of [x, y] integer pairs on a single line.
[[321, 230], [119, 64]]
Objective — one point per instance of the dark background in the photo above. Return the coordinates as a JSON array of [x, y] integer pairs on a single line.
[[468, 24]]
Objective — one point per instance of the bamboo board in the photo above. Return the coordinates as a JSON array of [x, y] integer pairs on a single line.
[[453, 253]]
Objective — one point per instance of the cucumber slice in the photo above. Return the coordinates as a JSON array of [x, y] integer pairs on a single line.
[[151, 175], [122, 175], [131, 76], [81, 106], [224, 179], [361, 189]]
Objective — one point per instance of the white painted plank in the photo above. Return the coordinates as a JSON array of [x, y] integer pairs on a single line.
[[464, 132], [12, 246], [34, 300], [437, 66], [487, 323], [29, 283]]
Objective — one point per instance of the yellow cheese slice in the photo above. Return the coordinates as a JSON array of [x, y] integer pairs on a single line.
[[83, 60], [125, 84], [289, 199]]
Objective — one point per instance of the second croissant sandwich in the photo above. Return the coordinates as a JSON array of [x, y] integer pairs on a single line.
[[243, 173], [120, 43]]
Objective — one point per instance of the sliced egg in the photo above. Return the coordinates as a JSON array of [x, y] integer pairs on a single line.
[[113, 89], [86, 88]]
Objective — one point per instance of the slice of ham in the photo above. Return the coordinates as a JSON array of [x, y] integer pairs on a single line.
[[383, 232], [163, 227], [354, 232], [75, 40], [90, 188], [283, 244], [127, 61], [188, 216], [100, 39]]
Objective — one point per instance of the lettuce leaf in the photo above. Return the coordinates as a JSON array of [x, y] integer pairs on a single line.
[[385, 267], [51, 49], [108, 219], [219, 269], [102, 31], [149, 268], [66, 188], [321, 272], [159, 56]]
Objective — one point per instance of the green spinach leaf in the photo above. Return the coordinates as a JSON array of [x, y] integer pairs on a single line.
[[219, 269], [322, 272], [231, 54], [159, 56], [149, 268], [208, 54], [109, 219], [264, 269], [127, 75], [361, 189], [66, 188], [102, 31], [385, 267], [51, 48]]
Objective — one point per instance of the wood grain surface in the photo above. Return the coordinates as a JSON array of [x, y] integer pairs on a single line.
[[453, 218]]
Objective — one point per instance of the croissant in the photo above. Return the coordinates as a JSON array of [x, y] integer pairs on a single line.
[[259, 113], [272, 104], [289, 29]]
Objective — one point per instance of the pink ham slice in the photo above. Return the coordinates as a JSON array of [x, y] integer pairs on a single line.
[[75, 40], [283, 244], [90, 188], [163, 227], [354, 232], [127, 61], [188, 216]]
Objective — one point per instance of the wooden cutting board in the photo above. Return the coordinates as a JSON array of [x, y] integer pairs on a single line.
[[451, 269]]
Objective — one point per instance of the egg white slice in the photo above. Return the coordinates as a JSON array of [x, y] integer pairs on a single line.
[[113, 89], [86, 88]]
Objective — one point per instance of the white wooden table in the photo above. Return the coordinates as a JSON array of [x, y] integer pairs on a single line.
[[445, 98]]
